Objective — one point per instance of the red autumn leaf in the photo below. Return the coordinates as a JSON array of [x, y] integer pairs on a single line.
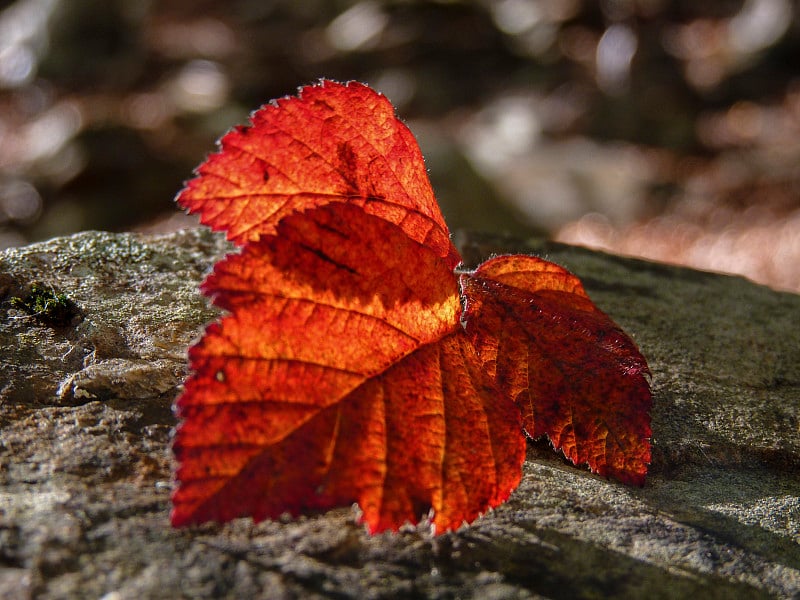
[[345, 370]]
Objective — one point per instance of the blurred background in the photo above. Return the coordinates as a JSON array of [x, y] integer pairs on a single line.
[[663, 129]]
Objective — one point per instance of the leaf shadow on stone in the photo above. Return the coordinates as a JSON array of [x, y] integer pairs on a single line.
[[685, 480]]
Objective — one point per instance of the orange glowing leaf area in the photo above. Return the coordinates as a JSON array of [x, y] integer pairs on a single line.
[[353, 364]]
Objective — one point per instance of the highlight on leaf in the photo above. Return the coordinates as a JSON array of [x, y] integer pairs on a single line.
[[333, 143], [346, 369], [341, 375]]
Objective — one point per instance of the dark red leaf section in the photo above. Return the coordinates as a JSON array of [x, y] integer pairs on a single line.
[[575, 375]]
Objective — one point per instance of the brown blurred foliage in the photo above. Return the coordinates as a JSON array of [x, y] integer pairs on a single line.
[[661, 129]]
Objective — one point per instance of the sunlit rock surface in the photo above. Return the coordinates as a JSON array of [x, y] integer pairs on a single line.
[[85, 467]]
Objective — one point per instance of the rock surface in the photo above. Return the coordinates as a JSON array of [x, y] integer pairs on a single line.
[[85, 467]]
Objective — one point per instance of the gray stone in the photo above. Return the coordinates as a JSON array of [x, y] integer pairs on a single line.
[[85, 466]]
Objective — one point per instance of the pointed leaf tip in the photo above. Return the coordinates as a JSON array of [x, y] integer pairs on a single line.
[[332, 143]]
